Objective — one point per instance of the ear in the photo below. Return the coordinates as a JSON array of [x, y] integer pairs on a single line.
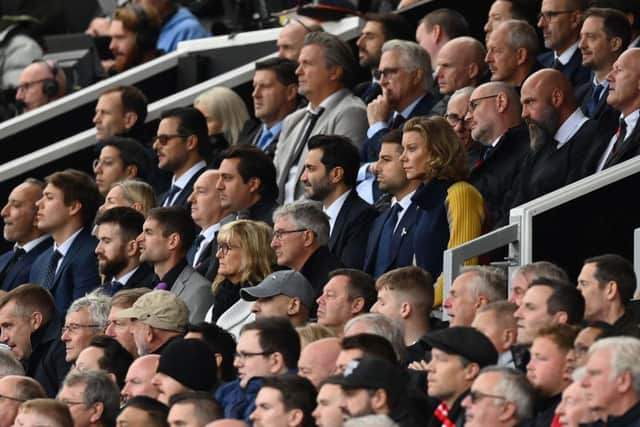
[[35, 320], [336, 175], [521, 55], [615, 44], [337, 73], [418, 77], [291, 92], [277, 363], [557, 97], [379, 400], [130, 119], [611, 290], [480, 301], [405, 310], [218, 359], [75, 208], [561, 317], [131, 248], [254, 184], [96, 410], [509, 337], [471, 371], [509, 411], [174, 241], [436, 30], [309, 238], [357, 305], [131, 171], [295, 417], [624, 382], [502, 102], [192, 143], [293, 307], [474, 71], [137, 206]]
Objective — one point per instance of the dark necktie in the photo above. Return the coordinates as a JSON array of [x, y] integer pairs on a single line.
[[312, 118], [265, 139], [595, 99], [51, 269], [621, 135], [487, 152], [397, 121], [383, 254], [191, 255], [114, 287], [557, 65], [170, 195], [17, 254]]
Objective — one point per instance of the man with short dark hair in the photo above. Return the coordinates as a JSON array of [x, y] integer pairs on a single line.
[[266, 347], [561, 32], [120, 158], [608, 283], [19, 217], [106, 354], [325, 73], [94, 397], [181, 144], [121, 111], [118, 252], [66, 210], [330, 170], [193, 409], [143, 411], [30, 327], [348, 293], [438, 27], [247, 184], [285, 401], [275, 96], [166, 236]]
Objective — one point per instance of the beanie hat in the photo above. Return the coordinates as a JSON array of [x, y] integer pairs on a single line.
[[190, 362]]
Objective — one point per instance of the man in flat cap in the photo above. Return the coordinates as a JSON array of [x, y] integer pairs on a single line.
[[157, 318], [285, 293], [373, 385], [457, 355]]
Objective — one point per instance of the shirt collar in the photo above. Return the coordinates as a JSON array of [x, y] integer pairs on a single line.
[[275, 129], [210, 232], [126, 276], [325, 102], [406, 113], [570, 127], [631, 121], [565, 56], [64, 247], [405, 202], [334, 208], [32, 244], [186, 177]]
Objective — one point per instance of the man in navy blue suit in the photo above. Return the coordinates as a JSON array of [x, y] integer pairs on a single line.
[[66, 210], [560, 22], [19, 216], [389, 245], [329, 176]]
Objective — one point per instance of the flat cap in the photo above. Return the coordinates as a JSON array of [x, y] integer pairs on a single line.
[[464, 341]]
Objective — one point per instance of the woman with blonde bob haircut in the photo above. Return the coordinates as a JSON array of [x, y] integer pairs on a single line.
[[43, 413], [130, 193], [245, 258], [453, 210]]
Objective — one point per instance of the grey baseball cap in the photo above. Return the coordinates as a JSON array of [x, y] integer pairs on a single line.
[[286, 282]]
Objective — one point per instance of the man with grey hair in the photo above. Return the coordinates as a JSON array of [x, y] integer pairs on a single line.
[[612, 380], [92, 397], [500, 397], [474, 287], [405, 76], [511, 52], [377, 324], [524, 275], [326, 70], [86, 318], [14, 390], [9, 365], [495, 122], [300, 241]]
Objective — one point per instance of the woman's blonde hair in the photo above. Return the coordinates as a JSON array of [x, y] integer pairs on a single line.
[[447, 156], [136, 191], [254, 239], [225, 106]]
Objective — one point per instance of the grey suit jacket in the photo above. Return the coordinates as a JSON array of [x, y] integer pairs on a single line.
[[345, 114], [195, 291]]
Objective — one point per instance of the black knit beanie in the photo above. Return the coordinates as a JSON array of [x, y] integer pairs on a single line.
[[190, 362]]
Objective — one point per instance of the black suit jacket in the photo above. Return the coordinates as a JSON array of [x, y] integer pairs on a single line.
[[183, 195], [19, 272], [628, 149], [371, 147], [317, 268], [351, 229], [47, 364], [208, 259], [494, 176], [573, 70], [402, 250], [250, 134], [605, 114], [144, 277]]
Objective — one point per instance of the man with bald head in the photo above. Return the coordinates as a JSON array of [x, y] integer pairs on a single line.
[[291, 37], [560, 22], [460, 63], [495, 122], [39, 84], [559, 133], [207, 212], [318, 359], [511, 52], [624, 96], [139, 376]]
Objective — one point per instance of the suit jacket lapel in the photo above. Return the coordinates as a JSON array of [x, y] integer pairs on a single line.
[[628, 144], [180, 285], [408, 219], [341, 219]]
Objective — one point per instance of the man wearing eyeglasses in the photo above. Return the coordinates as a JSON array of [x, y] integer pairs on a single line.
[[39, 84], [92, 397], [499, 397], [560, 22], [181, 145], [14, 390], [86, 318], [457, 108]]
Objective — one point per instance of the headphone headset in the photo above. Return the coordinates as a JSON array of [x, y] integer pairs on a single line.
[[146, 34], [50, 86]]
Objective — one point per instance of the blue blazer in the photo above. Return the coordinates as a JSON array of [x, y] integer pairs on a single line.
[[402, 249], [77, 274], [19, 273]]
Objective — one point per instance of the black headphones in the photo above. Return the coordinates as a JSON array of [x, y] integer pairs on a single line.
[[50, 86], [146, 34]]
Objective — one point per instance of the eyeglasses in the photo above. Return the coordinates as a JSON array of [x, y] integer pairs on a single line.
[[164, 138], [476, 395], [243, 355], [455, 119], [473, 104], [75, 327], [107, 163], [278, 235], [549, 15], [385, 72], [15, 399], [26, 85], [224, 248]]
